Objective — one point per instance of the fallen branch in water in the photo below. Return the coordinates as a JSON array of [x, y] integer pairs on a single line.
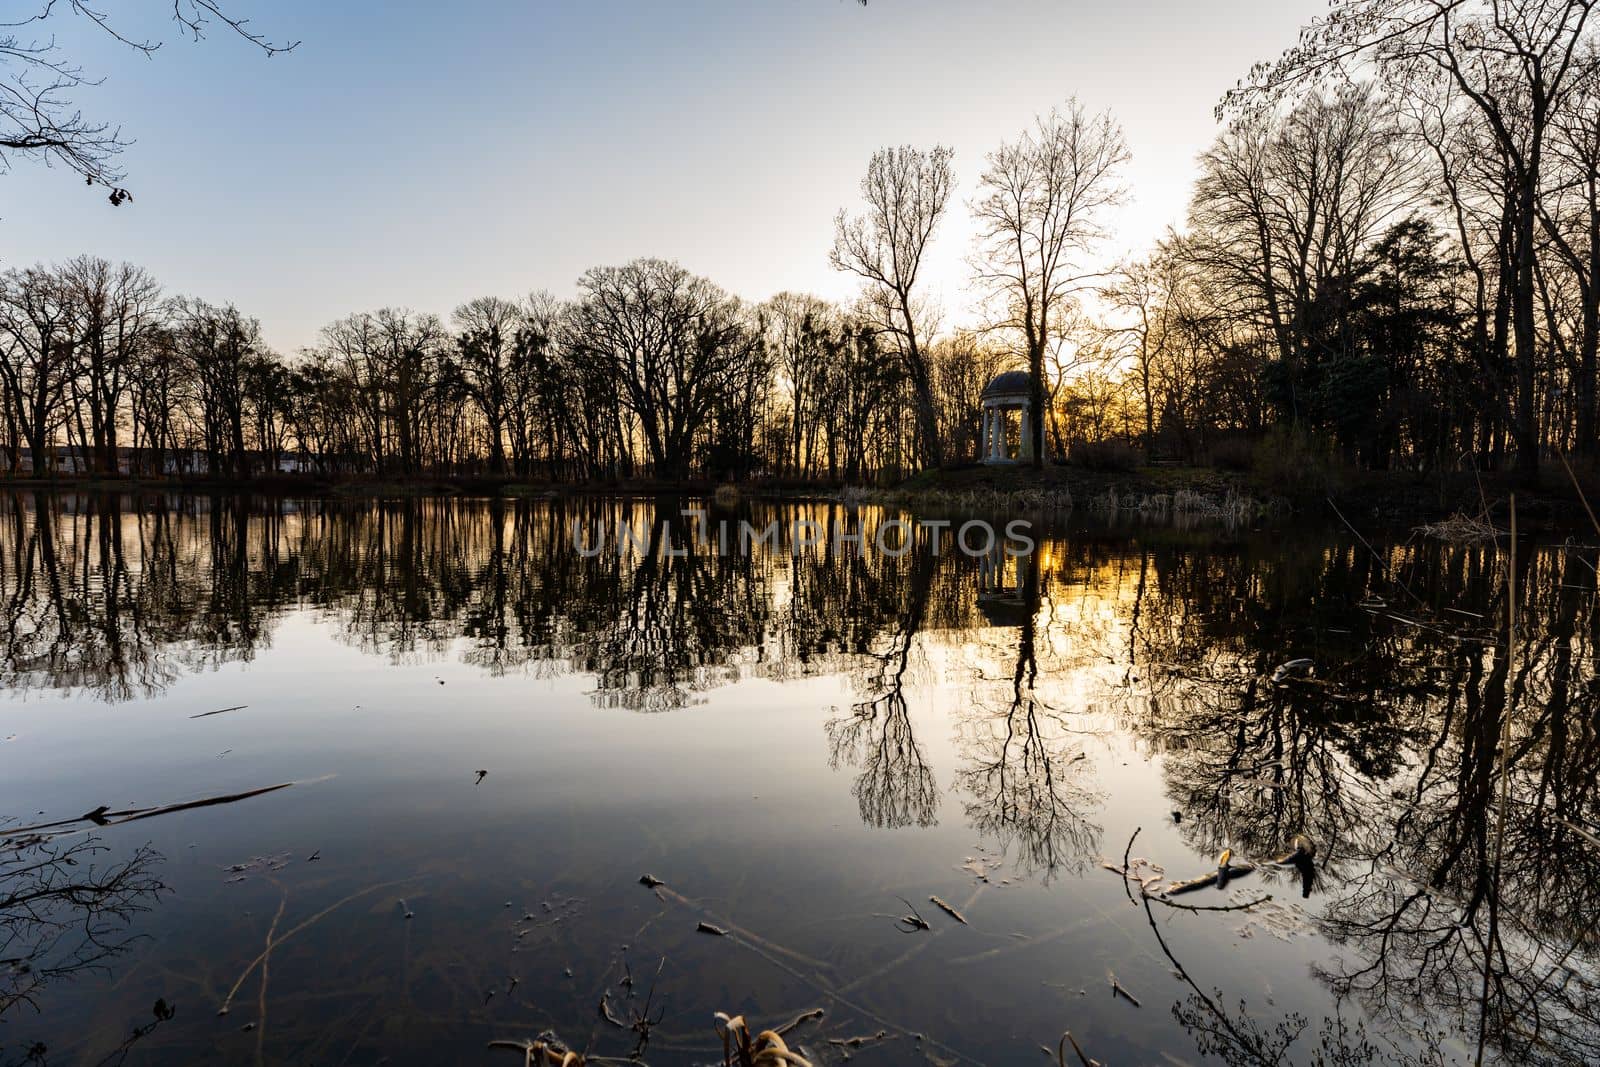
[[724, 928], [1129, 881], [813, 973], [952, 912], [1246, 906], [1460, 529], [104, 816], [1127, 876], [250, 968], [1224, 873], [605, 1013], [1118, 989], [803, 1017], [219, 711], [914, 921], [1061, 1052]]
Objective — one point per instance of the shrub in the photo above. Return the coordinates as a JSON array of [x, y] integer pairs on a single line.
[[1233, 454], [1296, 462], [1112, 455]]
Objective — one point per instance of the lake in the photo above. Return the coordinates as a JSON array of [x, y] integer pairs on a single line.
[[543, 787]]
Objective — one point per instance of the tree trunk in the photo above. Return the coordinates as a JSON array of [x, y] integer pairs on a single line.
[[1526, 430]]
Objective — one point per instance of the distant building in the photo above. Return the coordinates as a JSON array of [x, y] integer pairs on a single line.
[[70, 460]]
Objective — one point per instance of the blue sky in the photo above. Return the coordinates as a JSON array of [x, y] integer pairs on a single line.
[[420, 154]]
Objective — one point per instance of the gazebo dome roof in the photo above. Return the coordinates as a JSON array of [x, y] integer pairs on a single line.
[[1008, 383]]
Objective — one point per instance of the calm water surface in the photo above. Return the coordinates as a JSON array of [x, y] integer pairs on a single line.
[[492, 737]]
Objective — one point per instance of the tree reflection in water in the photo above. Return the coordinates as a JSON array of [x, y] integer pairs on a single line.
[[1025, 776], [896, 787], [64, 912], [1387, 755]]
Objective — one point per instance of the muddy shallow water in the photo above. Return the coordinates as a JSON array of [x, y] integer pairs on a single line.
[[804, 746]]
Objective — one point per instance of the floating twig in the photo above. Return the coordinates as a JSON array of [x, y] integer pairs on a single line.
[[1118, 989], [707, 928], [746, 936], [952, 912], [1127, 873], [1129, 881], [913, 922], [1219, 877], [1061, 1052], [1246, 906], [860, 1041], [803, 1017], [219, 711], [650, 881], [104, 816], [250, 968]]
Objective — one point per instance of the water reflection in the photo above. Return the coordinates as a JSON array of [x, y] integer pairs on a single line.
[[65, 910], [896, 786], [1026, 774], [1389, 756], [1385, 752]]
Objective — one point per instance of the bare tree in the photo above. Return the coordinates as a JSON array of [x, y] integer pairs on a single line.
[[795, 325], [906, 190], [216, 346], [675, 343], [1514, 66], [1040, 213], [118, 309], [36, 355], [39, 85], [488, 328], [538, 381], [1570, 215], [1145, 297]]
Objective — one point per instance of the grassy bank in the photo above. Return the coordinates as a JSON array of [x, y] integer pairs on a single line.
[[1370, 499]]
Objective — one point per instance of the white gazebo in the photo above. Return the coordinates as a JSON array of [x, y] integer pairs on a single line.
[[1008, 392]]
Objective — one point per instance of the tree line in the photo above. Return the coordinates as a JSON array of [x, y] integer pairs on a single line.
[[650, 370], [1391, 257], [1394, 245]]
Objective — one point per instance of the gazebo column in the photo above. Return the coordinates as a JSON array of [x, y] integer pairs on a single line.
[[999, 438]]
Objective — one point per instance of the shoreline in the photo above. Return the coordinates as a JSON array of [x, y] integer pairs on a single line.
[[1367, 500]]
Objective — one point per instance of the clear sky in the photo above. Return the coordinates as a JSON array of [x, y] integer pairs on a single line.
[[419, 154]]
